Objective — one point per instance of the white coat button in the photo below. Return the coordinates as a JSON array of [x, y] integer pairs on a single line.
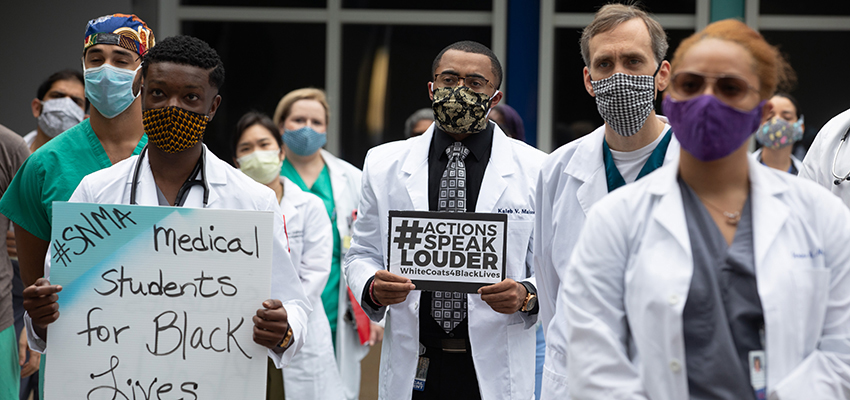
[[415, 305], [674, 299], [675, 366]]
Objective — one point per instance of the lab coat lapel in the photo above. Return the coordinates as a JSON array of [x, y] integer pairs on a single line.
[[586, 166], [216, 176], [670, 212], [414, 171], [500, 165], [145, 186], [769, 212]]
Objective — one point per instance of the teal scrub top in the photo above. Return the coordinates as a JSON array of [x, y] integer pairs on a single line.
[[322, 188], [51, 174]]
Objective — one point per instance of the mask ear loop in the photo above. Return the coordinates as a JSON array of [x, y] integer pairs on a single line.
[[491, 101], [657, 69]]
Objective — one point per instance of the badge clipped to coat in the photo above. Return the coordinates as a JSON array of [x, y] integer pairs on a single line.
[[757, 375]]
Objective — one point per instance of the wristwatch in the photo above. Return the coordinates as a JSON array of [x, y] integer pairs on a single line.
[[287, 339], [530, 299]]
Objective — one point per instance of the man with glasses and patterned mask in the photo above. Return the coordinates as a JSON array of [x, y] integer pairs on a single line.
[[433, 348], [623, 51]]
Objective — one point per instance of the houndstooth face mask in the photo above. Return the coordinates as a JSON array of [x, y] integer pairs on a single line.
[[625, 101]]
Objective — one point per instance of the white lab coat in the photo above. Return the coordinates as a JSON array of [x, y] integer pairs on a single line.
[[345, 181], [230, 189], [628, 280], [503, 346], [756, 155], [313, 372], [572, 179], [818, 163]]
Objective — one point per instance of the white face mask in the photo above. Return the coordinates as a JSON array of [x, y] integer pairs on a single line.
[[262, 166], [59, 115]]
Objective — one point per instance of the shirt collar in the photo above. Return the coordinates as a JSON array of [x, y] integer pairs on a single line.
[[479, 144]]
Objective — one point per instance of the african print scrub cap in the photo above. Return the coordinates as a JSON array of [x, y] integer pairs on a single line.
[[124, 30]]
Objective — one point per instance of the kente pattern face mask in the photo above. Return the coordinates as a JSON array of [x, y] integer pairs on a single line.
[[625, 101], [262, 166], [304, 141], [110, 89], [777, 133], [708, 128], [59, 115], [173, 129], [460, 110]]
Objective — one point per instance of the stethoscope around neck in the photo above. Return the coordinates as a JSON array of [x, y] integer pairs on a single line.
[[183, 193], [840, 179]]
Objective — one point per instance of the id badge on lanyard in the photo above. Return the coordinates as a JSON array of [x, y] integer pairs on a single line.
[[421, 371], [758, 366]]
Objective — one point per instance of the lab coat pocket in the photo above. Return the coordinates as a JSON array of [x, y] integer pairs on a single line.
[[810, 297], [519, 234]]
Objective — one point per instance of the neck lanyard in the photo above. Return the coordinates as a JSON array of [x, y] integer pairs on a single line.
[[656, 159], [183, 193]]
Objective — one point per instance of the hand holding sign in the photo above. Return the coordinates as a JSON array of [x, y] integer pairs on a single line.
[[40, 303], [505, 297], [270, 324], [391, 288]]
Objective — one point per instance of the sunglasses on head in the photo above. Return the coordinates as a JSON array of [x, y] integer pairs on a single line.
[[726, 87]]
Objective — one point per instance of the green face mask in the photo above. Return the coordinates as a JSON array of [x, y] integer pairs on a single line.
[[460, 110], [262, 166]]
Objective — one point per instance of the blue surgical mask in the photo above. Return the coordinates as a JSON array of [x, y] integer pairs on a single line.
[[110, 89], [304, 141]]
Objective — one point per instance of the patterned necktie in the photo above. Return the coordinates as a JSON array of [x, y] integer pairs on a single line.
[[449, 308]]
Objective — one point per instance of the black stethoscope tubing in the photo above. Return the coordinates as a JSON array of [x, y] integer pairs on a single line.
[[840, 179], [184, 191]]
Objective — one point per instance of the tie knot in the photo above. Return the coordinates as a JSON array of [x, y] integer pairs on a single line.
[[457, 150]]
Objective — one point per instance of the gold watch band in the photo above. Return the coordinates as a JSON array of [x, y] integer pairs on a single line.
[[287, 339]]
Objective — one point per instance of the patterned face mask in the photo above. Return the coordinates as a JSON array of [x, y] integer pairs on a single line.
[[460, 110], [777, 133], [173, 129], [625, 101]]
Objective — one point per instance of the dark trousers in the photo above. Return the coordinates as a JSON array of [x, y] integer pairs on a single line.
[[450, 375]]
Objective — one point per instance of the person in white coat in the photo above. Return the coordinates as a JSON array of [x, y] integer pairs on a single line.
[[714, 277], [623, 50], [828, 160], [180, 79], [302, 117], [490, 353], [257, 152], [781, 128]]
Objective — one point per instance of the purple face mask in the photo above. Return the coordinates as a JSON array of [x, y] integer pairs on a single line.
[[709, 129]]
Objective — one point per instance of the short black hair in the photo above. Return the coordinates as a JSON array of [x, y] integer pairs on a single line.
[[186, 50], [792, 100], [469, 46], [63, 75], [250, 119]]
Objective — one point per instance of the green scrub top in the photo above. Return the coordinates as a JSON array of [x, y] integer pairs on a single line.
[[51, 174], [322, 188]]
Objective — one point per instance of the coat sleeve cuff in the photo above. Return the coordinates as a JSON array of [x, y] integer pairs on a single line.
[[33, 340]]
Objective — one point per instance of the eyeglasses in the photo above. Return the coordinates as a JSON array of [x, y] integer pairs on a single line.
[[451, 80], [726, 87]]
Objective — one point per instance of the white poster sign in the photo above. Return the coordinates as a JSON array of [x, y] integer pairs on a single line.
[[157, 302], [458, 252]]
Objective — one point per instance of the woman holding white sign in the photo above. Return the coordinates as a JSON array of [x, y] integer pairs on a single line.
[[715, 276], [302, 116], [257, 151]]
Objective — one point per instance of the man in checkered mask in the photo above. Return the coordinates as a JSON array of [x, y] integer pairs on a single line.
[[623, 50]]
